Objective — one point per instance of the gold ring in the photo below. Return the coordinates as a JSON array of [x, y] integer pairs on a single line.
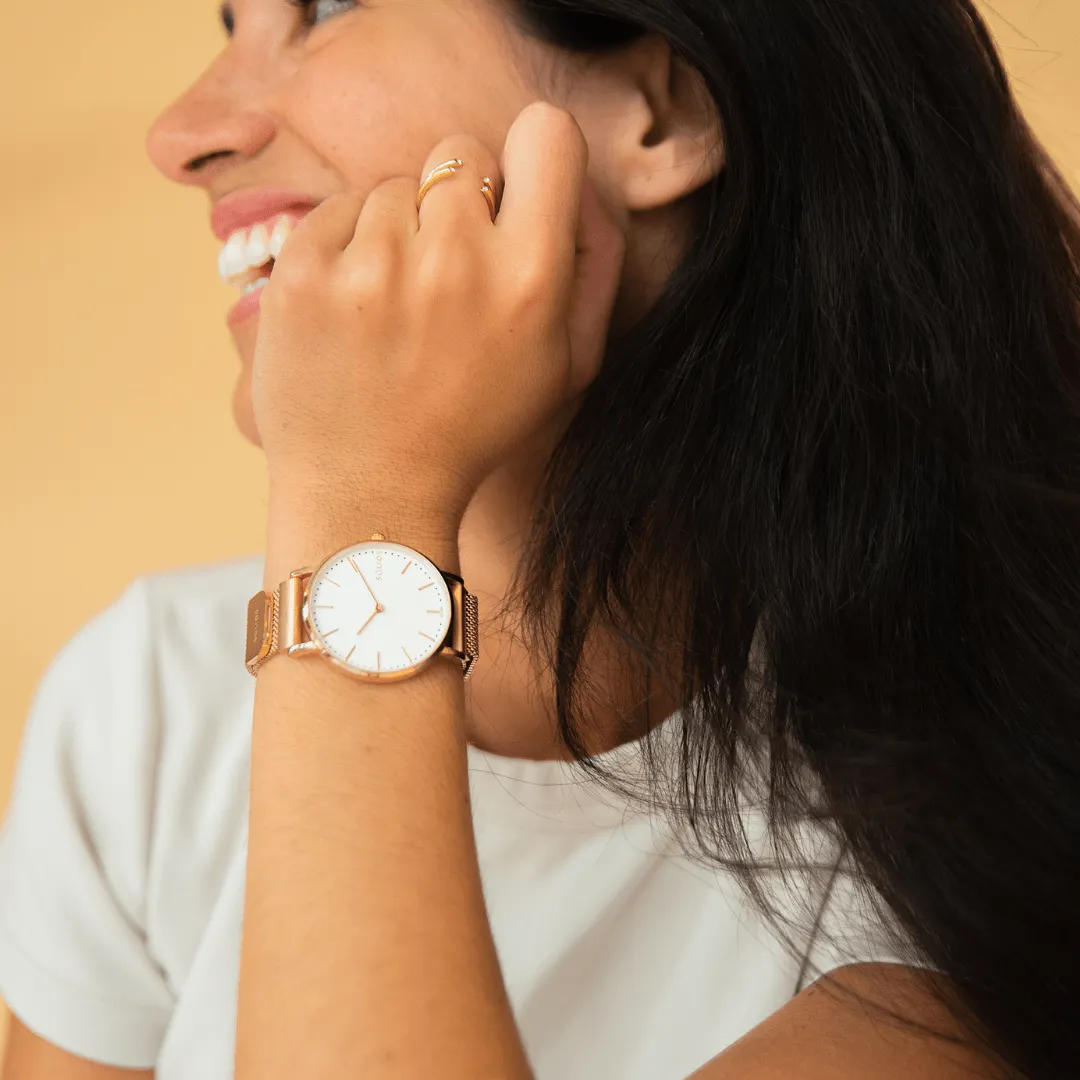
[[448, 168]]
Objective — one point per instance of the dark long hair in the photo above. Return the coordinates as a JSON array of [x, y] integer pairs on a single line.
[[847, 433]]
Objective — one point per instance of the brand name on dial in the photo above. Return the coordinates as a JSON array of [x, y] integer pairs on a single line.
[[378, 567]]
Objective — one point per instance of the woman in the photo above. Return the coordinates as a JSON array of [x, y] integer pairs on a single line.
[[748, 327]]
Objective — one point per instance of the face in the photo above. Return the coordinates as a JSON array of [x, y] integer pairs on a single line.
[[340, 95]]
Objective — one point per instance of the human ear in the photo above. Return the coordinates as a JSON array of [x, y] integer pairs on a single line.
[[652, 127]]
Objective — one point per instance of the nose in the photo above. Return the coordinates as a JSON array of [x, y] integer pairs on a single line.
[[219, 120]]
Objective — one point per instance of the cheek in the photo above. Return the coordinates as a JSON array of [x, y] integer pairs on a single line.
[[374, 110], [369, 119]]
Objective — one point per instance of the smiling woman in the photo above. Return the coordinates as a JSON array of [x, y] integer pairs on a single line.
[[747, 424]]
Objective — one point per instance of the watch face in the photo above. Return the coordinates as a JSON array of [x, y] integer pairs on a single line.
[[378, 607]]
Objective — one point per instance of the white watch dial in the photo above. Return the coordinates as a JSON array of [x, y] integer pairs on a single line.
[[379, 607]]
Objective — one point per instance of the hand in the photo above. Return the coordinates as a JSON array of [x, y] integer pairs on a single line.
[[409, 354], [378, 608]]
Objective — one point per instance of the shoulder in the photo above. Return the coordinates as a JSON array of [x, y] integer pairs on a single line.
[[194, 717], [878, 1021], [138, 736], [198, 609], [128, 802], [197, 620], [172, 620], [169, 647]]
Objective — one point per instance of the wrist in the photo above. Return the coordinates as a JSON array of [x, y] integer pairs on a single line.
[[303, 530]]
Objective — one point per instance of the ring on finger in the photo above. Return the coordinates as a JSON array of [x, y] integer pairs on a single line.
[[448, 168]]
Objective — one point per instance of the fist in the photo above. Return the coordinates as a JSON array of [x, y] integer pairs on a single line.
[[412, 351]]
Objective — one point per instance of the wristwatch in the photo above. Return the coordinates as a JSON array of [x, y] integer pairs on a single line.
[[380, 611]]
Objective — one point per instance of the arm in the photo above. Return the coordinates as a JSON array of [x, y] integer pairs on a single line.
[[366, 946], [30, 1057], [367, 950], [419, 994]]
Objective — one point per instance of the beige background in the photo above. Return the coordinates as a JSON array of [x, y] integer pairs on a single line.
[[117, 450]]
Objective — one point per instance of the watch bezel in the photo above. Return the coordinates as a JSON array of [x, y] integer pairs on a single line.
[[319, 644]]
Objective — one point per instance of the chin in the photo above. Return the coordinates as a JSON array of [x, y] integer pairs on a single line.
[[243, 415], [244, 337]]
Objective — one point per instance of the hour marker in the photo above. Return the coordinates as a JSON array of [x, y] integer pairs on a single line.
[[324, 607], [427, 586], [353, 565], [407, 565], [378, 661], [329, 582], [434, 611], [351, 651], [428, 636], [329, 632], [404, 650]]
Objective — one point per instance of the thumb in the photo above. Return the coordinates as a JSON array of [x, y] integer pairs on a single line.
[[601, 253]]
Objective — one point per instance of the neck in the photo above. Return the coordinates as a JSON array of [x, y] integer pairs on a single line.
[[510, 697]]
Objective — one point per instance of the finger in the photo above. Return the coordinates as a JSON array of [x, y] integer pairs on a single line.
[[544, 161], [601, 256], [457, 200], [327, 230], [387, 221]]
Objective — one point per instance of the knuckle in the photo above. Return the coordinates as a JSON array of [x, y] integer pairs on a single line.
[[393, 190], [371, 274], [298, 272], [532, 279], [442, 266], [405, 186], [454, 219]]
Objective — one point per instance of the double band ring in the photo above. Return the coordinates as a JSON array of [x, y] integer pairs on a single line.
[[448, 168]]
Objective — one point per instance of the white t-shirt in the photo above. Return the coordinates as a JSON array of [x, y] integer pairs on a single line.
[[123, 853]]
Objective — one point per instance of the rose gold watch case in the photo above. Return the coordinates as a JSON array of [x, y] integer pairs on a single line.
[[280, 622]]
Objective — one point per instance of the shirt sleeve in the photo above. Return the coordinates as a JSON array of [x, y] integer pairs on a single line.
[[75, 846]]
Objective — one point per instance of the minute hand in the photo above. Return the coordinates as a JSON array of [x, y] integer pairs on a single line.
[[378, 606]]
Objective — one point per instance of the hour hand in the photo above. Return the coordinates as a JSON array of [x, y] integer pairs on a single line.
[[378, 608]]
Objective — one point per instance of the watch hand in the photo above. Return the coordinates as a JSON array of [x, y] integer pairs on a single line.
[[378, 608]]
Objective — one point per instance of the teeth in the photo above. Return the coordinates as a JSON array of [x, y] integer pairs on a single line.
[[233, 257], [257, 251], [251, 249], [279, 236]]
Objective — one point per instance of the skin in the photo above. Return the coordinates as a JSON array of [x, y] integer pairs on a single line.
[[277, 100]]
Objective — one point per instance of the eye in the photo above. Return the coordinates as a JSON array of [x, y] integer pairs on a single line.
[[228, 19], [312, 8]]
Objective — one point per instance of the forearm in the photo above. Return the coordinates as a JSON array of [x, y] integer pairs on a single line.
[[366, 946]]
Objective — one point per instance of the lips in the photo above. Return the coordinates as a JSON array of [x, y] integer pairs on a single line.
[[242, 209]]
